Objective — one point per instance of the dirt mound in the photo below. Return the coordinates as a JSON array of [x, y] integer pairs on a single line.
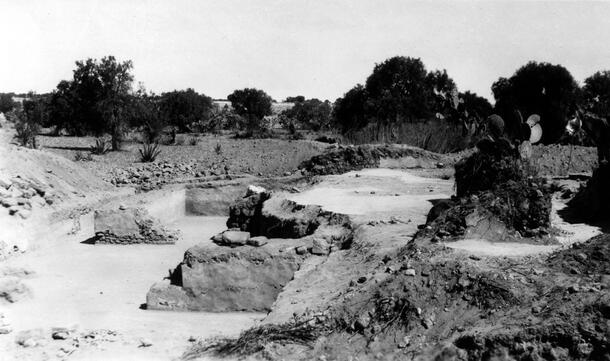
[[557, 159], [591, 257], [592, 202], [497, 196], [435, 304], [343, 159]]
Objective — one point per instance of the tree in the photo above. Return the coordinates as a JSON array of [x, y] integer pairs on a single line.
[[184, 108], [145, 112], [28, 120], [400, 89], [62, 109], [253, 104], [95, 101], [476, 106], [596, 93], [537, 88], [297, 99], [350, 111], [310, 114], [115, 80], [6, 103]]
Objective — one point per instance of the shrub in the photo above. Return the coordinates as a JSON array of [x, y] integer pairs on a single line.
[[149, 152], [26, 129], [194, 140], [100, 147], [218, 149]]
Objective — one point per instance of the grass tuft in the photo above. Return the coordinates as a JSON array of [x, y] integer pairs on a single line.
[[100, 147], [254, 340], [149, 152]]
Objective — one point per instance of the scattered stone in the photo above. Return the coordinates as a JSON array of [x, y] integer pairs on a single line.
[[252, 189], [410, 272], [144, 342], [235, 238], [258, 241], [60, 334], [320, 247], [301, 250]]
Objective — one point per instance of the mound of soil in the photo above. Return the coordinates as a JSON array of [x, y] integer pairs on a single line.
[[495, 189], [557, 159], [434, 304], [592, 202], [347, 158]]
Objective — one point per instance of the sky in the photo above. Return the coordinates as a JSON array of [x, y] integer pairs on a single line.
[[313, 48]]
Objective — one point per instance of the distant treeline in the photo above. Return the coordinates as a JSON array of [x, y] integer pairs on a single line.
[[101, 99]]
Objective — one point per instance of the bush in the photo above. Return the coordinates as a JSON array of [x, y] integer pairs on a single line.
[[149, 152], [194, 140], [218, 149], [25, 129], [100, 147]]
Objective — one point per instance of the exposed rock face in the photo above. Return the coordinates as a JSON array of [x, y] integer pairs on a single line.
[[220, 279], [130, 225], [275, 217]]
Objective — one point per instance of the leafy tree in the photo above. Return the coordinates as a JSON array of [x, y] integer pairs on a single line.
[[476, 106], [252, 104], [350, 111], [145, 112], [62, 109], [183, 108], [537, 88], [115, 79], [297, 99], [28, 120], [596, 93], [95, 101], [400, 89], [310, 114], [6, 103]]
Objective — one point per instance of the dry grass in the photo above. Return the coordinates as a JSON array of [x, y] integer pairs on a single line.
[[254, 340]]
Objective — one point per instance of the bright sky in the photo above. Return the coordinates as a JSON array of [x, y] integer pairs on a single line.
[[313, 48]]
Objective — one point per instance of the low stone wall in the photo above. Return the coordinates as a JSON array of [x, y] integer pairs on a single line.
[[129, 226]]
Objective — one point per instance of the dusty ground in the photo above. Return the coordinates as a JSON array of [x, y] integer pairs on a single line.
[[269, 157], [93, 293]]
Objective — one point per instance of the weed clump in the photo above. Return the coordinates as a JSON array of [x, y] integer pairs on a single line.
[[255, 339], [100, 147], [149, 152]]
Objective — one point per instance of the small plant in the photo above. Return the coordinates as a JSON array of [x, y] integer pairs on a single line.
[[100, 147], [149, 152], [82, 157], [193, 140], [218, 149]]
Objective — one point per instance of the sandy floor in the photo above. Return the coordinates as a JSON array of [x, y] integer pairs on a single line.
[[376, 193], [90, 287]]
